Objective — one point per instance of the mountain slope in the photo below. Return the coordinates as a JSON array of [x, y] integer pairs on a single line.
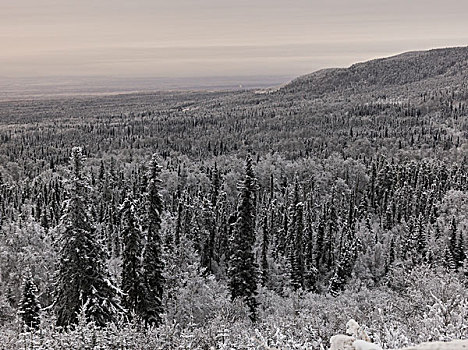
[[403, 69]]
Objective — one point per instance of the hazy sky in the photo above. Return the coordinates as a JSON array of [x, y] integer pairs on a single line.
[[216, 37]]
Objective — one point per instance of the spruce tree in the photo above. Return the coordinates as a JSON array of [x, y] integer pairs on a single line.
[[297, 242], [409, 239], [208, 235], [82, 279], [216, 182], [152, 260], [390, 256], [461, 250], [449, 260], [283, 233], [421, 239], [456, 245], [265, 247], [132, 278], [242, 268], [329, 240], [338, 280], [179, 224], [309, 258], [345, 263], [29, 309], [319, 243]]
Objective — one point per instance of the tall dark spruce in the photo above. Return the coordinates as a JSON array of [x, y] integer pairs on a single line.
[[83, 280], [264, 254], [242, 267], [296, 250], [152, 259], [344, 265], [132, 276], [29, 309]]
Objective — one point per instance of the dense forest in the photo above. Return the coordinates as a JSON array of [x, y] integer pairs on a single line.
[[240, 220]]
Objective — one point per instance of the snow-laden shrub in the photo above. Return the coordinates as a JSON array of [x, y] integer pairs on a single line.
[[416, 306]]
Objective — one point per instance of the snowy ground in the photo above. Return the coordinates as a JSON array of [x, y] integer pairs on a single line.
[[357, 339], [453, 345]]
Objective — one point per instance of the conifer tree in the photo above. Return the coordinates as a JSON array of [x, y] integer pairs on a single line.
[[83, 278], [330, 237], [29, 309], [222, 229], [208, 235], [461, 249], [215, 185], [297, 245], [152, 260], [391, 256], [449, 260], [421, 244], [319, 241], [309, 258], [132, 279], [179, 225], [242, 268], [338, 280], [409, 240], [283, 233], [456, 245], [44, 220], [265, 247], [345, 263], [388, 224]]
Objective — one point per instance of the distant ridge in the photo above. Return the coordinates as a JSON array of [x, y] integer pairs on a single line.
[[402, 69]]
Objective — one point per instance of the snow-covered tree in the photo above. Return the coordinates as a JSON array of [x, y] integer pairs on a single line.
[[153, 264], [29, 308], [242, 267], [132, 277], [265, 248], [296, 250], [83, 277]]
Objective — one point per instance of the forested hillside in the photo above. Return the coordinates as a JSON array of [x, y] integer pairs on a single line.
[[438, 66], [236, 220]]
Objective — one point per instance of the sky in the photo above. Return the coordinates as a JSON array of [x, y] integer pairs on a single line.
[[195, 38]]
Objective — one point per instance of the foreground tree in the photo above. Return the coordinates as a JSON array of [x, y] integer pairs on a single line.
[[242, 268], [152, 260], [132, 278], [30, 308], [83, 280]]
